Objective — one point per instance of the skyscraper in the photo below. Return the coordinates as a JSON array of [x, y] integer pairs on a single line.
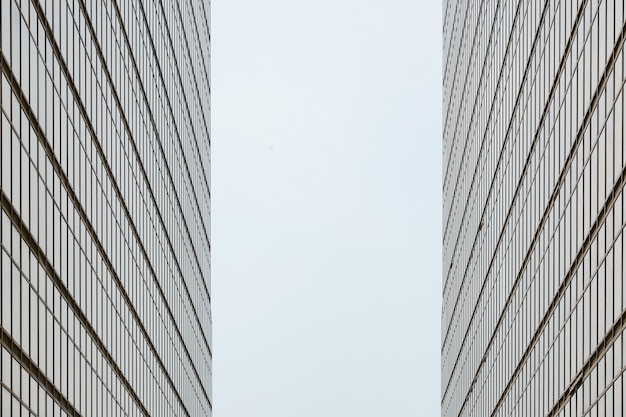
[[534, 296], [105, 208]]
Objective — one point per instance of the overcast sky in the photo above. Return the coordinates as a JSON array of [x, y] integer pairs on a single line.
[[326, 213]]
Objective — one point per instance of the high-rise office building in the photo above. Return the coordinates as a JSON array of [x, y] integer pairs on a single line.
[[534, 296], [105, 208]]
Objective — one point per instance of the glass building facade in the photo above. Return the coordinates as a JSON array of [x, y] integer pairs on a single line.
[[534, 297], [105, 208]]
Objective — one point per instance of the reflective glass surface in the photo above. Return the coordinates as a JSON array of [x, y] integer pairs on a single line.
[[105, 208], [534, 297]]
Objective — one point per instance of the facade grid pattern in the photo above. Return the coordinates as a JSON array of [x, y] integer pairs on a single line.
[[105, 208], [534, 299]]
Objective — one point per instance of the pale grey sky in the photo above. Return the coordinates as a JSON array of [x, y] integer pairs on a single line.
[[326, 214]]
